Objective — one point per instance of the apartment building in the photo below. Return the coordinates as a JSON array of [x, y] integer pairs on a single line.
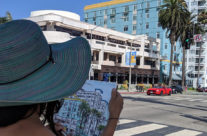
[[194, 74], [109, 47], [137, 17]]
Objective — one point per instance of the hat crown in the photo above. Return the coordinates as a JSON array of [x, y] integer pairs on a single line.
[[23, 49]]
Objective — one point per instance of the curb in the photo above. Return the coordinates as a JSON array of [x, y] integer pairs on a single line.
[[132, 92]]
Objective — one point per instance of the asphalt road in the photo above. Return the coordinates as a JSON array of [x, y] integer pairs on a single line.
[[175, 115]]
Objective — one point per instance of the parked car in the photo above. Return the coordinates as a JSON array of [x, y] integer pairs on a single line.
[[176, 89], [159, 91], [202, 89]]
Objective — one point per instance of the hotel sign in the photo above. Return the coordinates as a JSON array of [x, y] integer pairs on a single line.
[[133, 58]]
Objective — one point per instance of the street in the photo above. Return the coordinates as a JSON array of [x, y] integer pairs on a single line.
[[175, 115]]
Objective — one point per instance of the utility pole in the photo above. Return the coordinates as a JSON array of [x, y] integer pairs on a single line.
[[130, 69]]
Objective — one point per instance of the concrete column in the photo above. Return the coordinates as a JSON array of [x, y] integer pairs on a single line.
[[107, 57], [147, 80], [142, 61], [123, 57], [94, 56], [116, 77], [101, 57]]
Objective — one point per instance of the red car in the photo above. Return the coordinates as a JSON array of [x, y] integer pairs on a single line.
[[203, 89], [159, 91]]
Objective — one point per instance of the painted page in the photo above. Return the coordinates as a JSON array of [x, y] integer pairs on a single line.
[[86, 112]]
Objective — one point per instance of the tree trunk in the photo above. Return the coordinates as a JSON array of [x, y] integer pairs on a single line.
[[172, 41], [199, 66], [183, 69]]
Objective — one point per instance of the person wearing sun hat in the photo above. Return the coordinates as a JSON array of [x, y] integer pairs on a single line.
[[35, 76]]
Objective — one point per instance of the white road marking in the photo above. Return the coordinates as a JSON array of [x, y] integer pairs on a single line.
[[185, 132], [204, 101], [124, 121], [138, 130], [192, 100]]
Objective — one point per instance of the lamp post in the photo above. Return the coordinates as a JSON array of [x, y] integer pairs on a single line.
[[130, 69]]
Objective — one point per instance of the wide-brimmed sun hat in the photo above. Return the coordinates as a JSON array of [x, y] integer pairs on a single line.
[[33, 71]]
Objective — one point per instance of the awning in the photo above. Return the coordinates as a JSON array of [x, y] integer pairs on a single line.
[[174, 76]]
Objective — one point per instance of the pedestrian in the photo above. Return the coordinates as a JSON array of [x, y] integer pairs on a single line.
[[35, 76]]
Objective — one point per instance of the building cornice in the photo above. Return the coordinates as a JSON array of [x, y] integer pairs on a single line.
[[105, 4]]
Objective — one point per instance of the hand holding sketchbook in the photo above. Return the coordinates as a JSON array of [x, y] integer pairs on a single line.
[[86, 112]]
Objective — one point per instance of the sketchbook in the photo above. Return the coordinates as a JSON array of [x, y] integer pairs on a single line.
[[86, 112]]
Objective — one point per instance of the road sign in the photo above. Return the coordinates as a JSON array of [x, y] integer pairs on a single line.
[[197, 38]]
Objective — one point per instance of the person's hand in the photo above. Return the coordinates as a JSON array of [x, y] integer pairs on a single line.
[[115, 105], [60, 129]]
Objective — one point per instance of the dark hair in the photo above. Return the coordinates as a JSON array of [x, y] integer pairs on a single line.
[[13, 114]]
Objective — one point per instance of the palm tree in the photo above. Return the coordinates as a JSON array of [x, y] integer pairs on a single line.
[[85, 111], [202, 17], [6, 19], [172, 17]]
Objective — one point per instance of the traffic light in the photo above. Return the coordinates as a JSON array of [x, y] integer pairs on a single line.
[[188, 41]]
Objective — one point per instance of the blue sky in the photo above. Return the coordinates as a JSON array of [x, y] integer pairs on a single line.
[[22, 8]]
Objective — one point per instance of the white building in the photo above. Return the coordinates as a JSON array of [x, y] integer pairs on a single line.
[[192, 55], [109, 47]]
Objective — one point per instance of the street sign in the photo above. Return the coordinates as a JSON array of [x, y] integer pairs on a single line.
[[133, 58], [197, 38]]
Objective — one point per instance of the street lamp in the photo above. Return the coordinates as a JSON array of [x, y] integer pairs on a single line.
[[130, 69], [89, 76]]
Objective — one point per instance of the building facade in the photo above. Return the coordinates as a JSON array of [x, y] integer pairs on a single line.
[[109, 47], [137, 17], [192, 55]]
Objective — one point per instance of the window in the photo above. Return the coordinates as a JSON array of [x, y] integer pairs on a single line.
[[158, 2], [105, 12], [94, 13], [113, 19], [86, 15], [100, 12], [94, 18], [158, 35], [113, 28], [165, 67], [174, 48], [86, 20], [105, 21], [125, 28], [105, 56], [158, 24], [148, 4], [147, 15], [119, 59], [113, 11], [147, 34], [126, 18], [126, 9], [134, 18], [147, 25], [112, 58], [134, 27], [165, 45], [135, 7]]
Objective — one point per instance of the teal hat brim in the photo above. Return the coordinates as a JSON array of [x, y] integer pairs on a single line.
[[68, 73]]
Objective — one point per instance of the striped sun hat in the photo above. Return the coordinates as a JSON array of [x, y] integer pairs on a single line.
[[33, 71]]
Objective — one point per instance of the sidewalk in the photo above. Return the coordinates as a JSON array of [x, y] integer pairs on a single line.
[[130, 92]]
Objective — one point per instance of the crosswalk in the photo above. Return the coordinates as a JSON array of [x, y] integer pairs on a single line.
[[142, 128], [178, 98]]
